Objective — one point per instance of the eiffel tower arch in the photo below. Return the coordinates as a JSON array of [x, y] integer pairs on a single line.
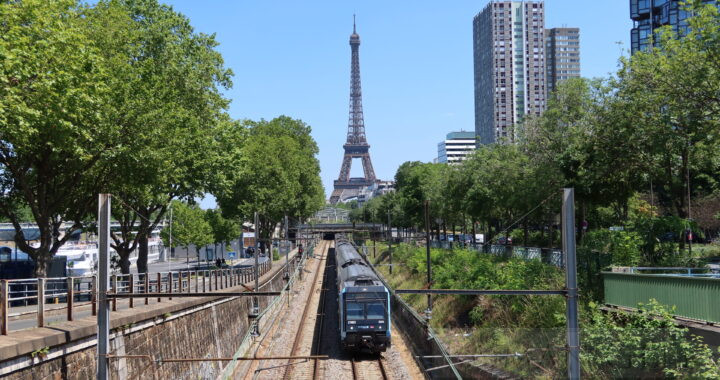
[[356, 145]]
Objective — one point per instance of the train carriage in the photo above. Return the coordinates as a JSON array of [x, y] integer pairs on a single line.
[[363, 303]]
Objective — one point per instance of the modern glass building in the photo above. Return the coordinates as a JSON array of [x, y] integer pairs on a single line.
[[509, 66], [648, 15]]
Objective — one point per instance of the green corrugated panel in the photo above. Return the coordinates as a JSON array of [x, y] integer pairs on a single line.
[[697, 298]]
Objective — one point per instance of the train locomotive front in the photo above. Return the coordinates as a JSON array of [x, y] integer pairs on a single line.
[[363, 303]]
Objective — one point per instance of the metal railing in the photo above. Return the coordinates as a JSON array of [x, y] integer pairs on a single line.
[[691, 296], [20, 298], [678, 271], [551, 256]]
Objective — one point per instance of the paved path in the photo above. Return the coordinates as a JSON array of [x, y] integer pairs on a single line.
[[60, 315], [178, 265]]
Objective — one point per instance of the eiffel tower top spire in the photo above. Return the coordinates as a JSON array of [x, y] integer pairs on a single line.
[[356, 123]]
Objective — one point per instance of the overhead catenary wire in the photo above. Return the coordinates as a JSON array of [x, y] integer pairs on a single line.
[[141, 216], [518, 220]]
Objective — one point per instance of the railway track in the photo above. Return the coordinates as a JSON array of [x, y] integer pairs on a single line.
[[369, 369], [307, 338], [316, 334], [266, 345]]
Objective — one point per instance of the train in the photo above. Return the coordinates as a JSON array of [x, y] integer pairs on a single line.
[[363, 303]]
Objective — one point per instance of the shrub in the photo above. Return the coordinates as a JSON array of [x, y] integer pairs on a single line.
[[623, 246], [646, 344]]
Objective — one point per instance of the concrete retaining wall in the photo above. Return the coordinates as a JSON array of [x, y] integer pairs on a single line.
[[181, 328]]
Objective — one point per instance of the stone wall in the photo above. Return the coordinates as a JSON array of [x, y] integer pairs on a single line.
[[189, 327]]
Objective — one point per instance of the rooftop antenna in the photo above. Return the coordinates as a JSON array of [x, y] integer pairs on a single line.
[[354, 23]]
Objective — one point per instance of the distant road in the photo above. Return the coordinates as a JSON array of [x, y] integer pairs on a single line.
[[176, 265]]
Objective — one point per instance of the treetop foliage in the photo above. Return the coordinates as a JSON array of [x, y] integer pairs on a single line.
[[124, 97]]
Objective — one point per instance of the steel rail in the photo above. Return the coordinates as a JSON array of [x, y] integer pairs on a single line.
[[382, 368], [298, 335], [356, 373], [249, 358], [354, 369], [321, 314], [274, 325]]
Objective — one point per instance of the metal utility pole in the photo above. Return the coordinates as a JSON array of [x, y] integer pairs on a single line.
[[241, 243], [256, 304], [687, 175], [300, 235], [390, 242], [286, 246], [568, 240], [103, 313], [428, 312]]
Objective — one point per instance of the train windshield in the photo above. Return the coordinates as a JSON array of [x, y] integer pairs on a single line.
[[375, 310], [365, 310], [355, 311], [365, 295]]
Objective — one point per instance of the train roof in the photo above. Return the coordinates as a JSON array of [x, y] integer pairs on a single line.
[[352, 269], [344, 253]]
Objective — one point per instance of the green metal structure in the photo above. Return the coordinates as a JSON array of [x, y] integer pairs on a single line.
[[693, 297]]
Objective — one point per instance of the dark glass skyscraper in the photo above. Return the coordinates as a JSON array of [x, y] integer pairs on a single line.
[[648, 15]]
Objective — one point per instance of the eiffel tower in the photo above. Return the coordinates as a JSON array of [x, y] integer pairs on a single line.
[[356, 145]]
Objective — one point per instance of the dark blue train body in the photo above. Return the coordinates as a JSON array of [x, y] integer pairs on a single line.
[[363, 303]]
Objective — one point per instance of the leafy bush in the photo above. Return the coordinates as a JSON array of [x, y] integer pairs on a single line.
[[467, 269], [623, 246], [646, 344], [660, 238]]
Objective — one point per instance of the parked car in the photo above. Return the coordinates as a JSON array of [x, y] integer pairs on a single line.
[[505, 240]]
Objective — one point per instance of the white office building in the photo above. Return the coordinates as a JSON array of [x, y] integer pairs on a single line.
[[456, 147]]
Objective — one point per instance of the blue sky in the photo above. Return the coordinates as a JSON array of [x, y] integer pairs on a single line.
[[293, 58]]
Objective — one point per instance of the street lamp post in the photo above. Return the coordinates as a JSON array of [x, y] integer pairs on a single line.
[[390, 242], [428, 312]]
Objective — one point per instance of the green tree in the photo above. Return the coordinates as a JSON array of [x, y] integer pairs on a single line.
[[223, 230], [166, 96], [55, 137], [189, 227], [672, 90], [274, 173]]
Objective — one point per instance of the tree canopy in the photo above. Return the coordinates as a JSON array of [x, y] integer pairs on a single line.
[[277, 175], [56, 133], [124, 97], [168, 100]]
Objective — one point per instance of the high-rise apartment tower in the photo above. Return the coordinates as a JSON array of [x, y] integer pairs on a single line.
[[509, 59], [562, 49]]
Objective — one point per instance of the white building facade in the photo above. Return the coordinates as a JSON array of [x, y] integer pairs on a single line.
[[456, 147]]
